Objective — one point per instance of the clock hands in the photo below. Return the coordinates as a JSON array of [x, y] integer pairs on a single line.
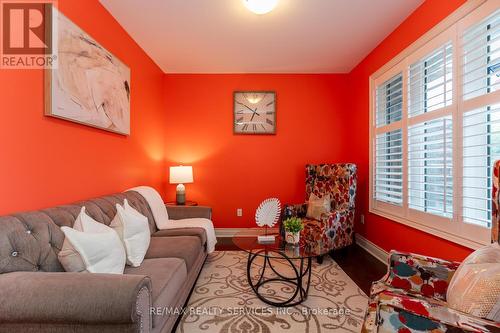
[[249, 108], [254, 113]]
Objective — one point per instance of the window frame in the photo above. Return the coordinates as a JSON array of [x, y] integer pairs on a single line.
[[450, 29]]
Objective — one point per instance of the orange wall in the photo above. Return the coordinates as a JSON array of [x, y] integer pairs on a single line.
[[383, 232], [45, 161], [239, 171], [188, 119]]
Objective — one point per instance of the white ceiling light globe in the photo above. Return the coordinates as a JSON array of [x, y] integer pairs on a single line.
[[260, 6]]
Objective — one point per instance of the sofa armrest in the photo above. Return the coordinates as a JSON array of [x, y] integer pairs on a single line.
[[188, 212], [436, 312], [417, 274], [83, 298]]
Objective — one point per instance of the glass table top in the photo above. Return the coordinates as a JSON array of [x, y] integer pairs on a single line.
[[279, 248]]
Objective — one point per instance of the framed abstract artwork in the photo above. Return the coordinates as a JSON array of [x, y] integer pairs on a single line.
[[90, 85]]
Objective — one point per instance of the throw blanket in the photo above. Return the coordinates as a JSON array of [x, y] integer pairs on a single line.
[[162, 221]]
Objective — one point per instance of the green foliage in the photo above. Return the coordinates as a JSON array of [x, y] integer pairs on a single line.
[[293, 224]]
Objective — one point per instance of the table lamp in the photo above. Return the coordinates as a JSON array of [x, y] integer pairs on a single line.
[[181, 175]]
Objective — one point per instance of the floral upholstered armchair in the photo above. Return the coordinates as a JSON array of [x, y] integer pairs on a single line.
[[335, 228], [411, 297]]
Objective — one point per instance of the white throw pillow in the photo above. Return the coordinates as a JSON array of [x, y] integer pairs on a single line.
[[475, 286], [133, 229], [92, 247]]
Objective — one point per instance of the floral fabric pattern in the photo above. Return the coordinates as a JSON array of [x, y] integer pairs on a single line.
[[495, 218], [336, 228], [338, 180], [411, 298], [419, 275]]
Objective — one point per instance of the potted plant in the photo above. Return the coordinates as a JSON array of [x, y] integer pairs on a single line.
[[292, 226]]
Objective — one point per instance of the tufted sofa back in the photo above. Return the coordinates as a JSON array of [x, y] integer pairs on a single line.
[[30, 241], [339, 180]]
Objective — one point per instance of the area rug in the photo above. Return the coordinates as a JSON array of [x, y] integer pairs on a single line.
[[222, 300]]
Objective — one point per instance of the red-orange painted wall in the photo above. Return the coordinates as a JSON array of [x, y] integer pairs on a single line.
[[45, 161], [383, 232], [188, 119], [239, 171]]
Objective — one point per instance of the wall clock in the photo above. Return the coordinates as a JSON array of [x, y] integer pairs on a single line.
[[254, 112]]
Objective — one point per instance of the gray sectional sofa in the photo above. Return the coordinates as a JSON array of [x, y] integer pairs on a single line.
[[37, 295]]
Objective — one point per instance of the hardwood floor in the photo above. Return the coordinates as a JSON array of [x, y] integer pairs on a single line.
[[361, 266]]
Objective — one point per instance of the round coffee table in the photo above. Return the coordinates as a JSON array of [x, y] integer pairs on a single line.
[[297, 259]]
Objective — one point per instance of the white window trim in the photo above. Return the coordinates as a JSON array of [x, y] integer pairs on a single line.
[[461, 233]]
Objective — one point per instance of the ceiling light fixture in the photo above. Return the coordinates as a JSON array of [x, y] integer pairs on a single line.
[[260, 6]]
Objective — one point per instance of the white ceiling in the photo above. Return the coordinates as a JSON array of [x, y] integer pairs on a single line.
[[222, 36]]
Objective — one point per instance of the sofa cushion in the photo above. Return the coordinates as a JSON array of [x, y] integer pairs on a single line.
[[199, 232], [187, 248], [167, 277]]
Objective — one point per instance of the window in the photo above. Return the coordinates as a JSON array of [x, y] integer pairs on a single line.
[[430, 165], [481, 126], [430, 82], [388, 150], [436, 130]]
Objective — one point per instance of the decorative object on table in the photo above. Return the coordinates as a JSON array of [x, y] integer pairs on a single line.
[[254, 112], [293, 226], [267, 215], [423, 294], [335, 228], [90, 86], [181, 175]]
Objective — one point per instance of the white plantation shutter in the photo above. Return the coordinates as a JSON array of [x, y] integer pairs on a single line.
[[435, 129], [390, 101], [388, 180], [481, 123], [430, 81], [481, 147], [389, 167], [430, 142], [430, 165], [481, 57]]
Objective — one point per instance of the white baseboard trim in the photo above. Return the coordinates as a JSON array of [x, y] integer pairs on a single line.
[[372, 248], [230, 232]]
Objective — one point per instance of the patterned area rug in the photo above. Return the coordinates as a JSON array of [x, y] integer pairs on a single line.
[[223, 301]]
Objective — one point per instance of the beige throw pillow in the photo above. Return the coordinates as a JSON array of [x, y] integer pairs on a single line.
[[475, 286], [318, 206]]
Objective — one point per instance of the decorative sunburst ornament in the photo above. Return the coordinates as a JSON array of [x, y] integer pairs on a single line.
[[268, 213]]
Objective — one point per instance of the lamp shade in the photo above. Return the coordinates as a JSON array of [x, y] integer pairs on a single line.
[[181, 174]]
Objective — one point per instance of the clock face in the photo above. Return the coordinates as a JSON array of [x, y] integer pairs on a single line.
[[254, 112]]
